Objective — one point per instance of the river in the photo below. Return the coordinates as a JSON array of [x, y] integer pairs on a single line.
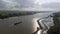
[[28, 25]]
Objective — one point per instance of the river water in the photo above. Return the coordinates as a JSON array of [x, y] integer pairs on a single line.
[[28, 25]]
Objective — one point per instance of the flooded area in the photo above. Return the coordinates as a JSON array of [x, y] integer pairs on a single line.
[[28, 25]]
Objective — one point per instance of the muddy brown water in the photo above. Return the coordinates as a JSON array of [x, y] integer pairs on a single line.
[[28, 25]]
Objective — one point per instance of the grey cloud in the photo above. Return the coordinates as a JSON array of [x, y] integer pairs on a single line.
[[26, 3], [51, 5], [17, 4], [2, 5], [6, 5]]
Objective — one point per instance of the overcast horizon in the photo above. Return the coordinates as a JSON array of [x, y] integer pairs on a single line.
[[33, 5]]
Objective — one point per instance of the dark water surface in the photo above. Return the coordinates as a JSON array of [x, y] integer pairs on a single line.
[[28, 25]]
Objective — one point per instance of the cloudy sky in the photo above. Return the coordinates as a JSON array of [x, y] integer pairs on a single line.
[[33, 5]]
